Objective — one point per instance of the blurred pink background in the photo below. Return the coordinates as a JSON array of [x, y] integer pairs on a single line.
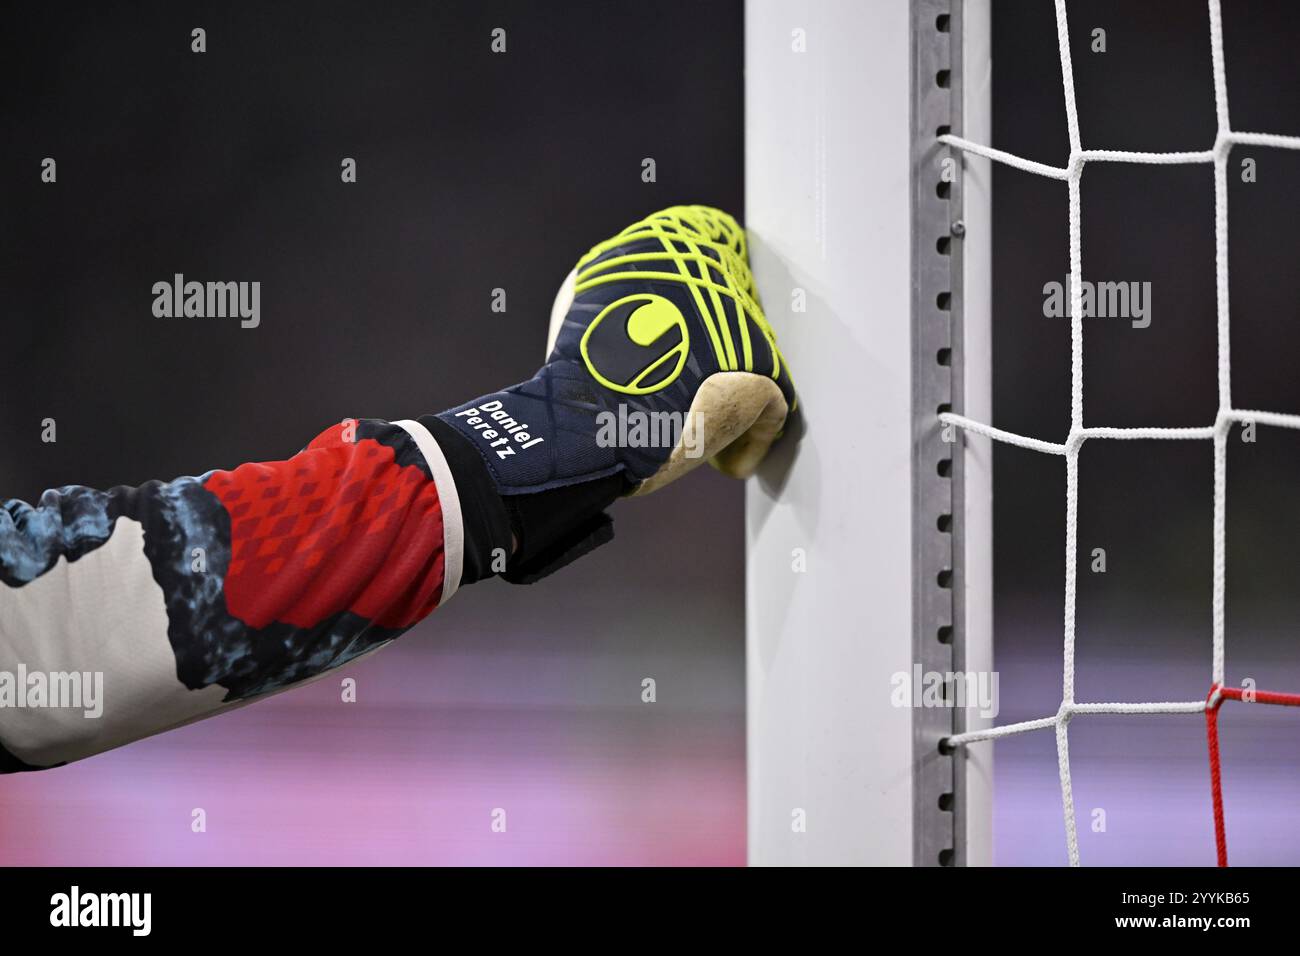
[[476, 709]]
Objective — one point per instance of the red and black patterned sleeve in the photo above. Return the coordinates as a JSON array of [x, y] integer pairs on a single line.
[[130, 611]]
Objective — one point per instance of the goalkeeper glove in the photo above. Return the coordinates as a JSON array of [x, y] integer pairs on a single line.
[[659, 358]]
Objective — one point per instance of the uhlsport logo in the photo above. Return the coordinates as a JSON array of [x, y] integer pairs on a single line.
[[631, 345]]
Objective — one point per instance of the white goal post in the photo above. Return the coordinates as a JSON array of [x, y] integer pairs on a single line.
[[869, 539]]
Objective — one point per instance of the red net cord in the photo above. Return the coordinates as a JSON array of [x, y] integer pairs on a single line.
[[1217, 696]]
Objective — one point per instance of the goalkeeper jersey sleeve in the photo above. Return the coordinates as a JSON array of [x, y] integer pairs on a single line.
[[127, 612]]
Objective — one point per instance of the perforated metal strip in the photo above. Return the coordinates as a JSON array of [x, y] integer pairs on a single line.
[[937, 638]]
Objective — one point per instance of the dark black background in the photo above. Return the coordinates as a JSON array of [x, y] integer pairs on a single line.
[[476, 171], [1144, 627], [1148, 502]]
